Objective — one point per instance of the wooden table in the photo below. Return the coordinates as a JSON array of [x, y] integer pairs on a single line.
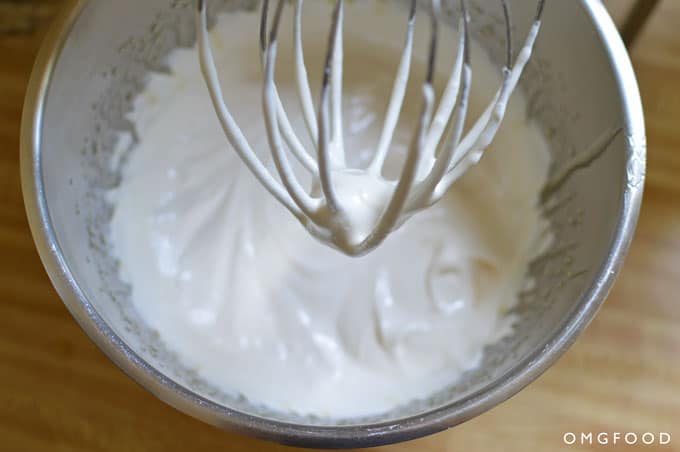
[[59, 393]]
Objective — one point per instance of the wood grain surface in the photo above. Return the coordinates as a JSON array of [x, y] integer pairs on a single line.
[[59, 393]]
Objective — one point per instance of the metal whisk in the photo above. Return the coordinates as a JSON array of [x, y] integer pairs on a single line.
[[355, 209]]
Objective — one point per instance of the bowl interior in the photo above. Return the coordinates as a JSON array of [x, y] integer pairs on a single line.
[[574, 93]]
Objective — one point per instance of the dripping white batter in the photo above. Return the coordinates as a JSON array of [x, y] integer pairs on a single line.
[[243, 294]]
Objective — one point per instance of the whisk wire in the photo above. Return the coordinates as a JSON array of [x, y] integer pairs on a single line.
[[304, 90], [271, 112], [391, 215], [232, 131], [450, 106], [336, 84], [474, 144], [397, 98], [292, 141]]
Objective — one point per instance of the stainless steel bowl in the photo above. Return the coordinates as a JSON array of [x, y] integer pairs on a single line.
[[94, 62]]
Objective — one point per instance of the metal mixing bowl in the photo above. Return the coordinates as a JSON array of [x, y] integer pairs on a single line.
[[94, 62]]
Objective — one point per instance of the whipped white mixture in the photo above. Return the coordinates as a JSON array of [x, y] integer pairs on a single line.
[[246, 297]]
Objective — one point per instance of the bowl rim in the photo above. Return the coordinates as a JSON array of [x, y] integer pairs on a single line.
[[185, 400]]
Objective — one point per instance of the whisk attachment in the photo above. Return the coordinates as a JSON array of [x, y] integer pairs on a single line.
[[355, 209]]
